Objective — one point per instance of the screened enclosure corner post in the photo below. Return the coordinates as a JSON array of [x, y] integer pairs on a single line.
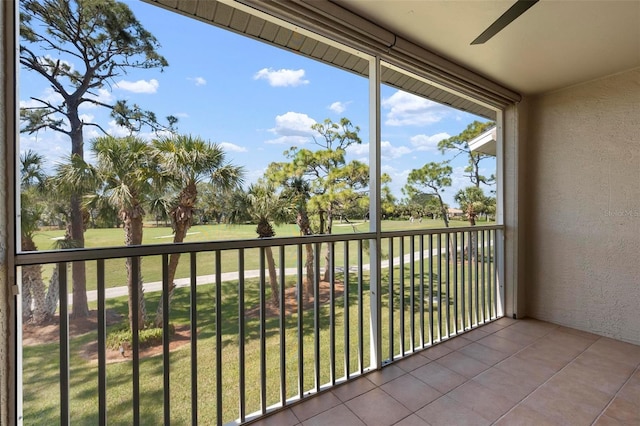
[[10, 306], [375, 245]]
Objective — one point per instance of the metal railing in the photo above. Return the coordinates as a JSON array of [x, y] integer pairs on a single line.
[[249, 352]]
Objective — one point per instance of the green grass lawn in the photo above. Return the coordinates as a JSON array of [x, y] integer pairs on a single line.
[[41, 370], [151, 266]]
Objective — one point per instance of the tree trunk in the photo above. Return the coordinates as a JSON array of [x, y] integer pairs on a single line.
[[305, 229], [27, 310], [273, 277], [133, 236], [327, 269], [181, 219], [53, 293], [309, 283], [80, 307], [34, 292], [174, 259]]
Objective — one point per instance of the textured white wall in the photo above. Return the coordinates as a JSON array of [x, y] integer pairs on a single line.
[[582, 227]]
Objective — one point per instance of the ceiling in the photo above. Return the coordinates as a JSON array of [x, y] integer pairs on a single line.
[[553, 45]]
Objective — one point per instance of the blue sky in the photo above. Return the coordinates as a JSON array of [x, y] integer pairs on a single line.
[[257, 101]]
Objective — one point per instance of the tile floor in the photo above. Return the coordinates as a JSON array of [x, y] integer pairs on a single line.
[[508, 372]]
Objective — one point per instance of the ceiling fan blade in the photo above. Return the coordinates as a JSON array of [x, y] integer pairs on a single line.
[[520, 7]]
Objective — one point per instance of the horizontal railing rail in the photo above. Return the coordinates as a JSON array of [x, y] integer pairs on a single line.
[[95, 253], [269, 321]]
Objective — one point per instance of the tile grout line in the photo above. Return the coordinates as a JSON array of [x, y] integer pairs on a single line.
[[554, 375], [616, 394]]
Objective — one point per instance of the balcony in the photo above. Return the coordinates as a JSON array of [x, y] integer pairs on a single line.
[[378, 299], [507, 372], [428, 345]]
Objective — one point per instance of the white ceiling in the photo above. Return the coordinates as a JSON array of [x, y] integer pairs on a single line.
[[553, 45]]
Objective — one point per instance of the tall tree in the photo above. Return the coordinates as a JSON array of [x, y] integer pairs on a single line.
[[460, 145], [79, 47], [334, 184], [473, 202], [264, 205], [431, 179], [185, 161], [124, 175]]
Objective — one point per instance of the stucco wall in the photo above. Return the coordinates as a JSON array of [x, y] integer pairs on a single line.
[[582, 227]]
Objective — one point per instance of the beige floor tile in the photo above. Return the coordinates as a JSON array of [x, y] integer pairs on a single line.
[[617, 351], [501, 344], [532, 327], [412, 362], [438, 377], [476, 334], [412, 420], [598, 372], [446, 411], [631, 390], [462, 364], [281, 418], [385, 375], [315, 405], [524, 416], [505, 384], [530, 372], [339, 415], [483, 353], [481, 400], [548, 353], [437, 351], [604, 420], [377, 408], [456, 343], [624, 411], [581, 333], [505, 321], [567, 402], [492, 327], [352, 389], [411, 392], [570, 340], [514, 335]]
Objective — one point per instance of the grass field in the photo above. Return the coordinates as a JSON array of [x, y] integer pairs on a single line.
[[401, 308], [151, 266]]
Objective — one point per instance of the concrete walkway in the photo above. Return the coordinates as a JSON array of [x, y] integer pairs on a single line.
[[92, 295]]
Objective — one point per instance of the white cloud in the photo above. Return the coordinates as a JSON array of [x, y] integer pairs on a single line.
[[292, 128], [405, 109], [288, 140], [48, 95], [428, 143], [120, 131], [228, 146], [198, 81], [294, 124], [388, 150], [101, 95], [281, 77], [339, 107], [140, 86]]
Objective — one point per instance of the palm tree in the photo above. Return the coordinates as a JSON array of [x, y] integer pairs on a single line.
[[264, 205], [123, 175], [297, 191], [185, 161], [32, 182]]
